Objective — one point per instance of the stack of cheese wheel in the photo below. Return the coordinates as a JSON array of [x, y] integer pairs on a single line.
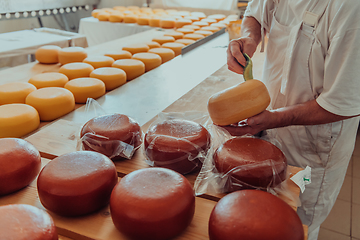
[[254, 215], [20, 164], [50, 79], [15, 92], [250, 163], [77, 183], [86, 87], [71, 54], [22, 221], [76, 70], [48, 54], [177, 144], [152, 203]]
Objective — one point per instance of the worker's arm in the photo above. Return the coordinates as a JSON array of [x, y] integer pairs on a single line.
[[309, 113]]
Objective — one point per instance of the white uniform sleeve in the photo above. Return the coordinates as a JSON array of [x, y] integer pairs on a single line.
[[261, 10]]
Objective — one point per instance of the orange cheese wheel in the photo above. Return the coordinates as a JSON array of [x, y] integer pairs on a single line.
[[200, 15], [210, 28], [15, 92], [17, 120], [130, 19], [77, 183], [200, 24], [50, 79], [71, 54], [179, 23], [185, 41], [112, 77], [151, 60], [154, 22], [166, 54], [185, 30], [116, 17], [143, 20], [51, 102], [209, 20], [174, 34], [203, 32], [219, 25], [20, 164], [153, 44], [120, 8], [163, 39], [99, 61], [192, 18], [217, 17], [118, 54], [152, 203], [95, 12], [84, 88], [193, 27], [167, 23], [22, 221], [76, 70], [103, 16], [133, 67], [48, 54], [176, 47], [136, 48], [193, 36]]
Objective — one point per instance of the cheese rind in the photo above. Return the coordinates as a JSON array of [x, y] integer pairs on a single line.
[[48, 54], [99, 61], [133, 67], [111, 76], [76, 70], [71, 54], [15, 92], [50, 79], [166, 54], [84, 88], [151, 60]]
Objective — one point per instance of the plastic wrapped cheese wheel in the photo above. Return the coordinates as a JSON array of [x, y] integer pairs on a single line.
[[176, 47], [22, 221], [71, 54], [112, 77], [48, 54], [132, 67], [20, 163], [151, 60], [166, 54], [118, 54], [15, 92], [50, 79], [99, 61], [250, 163], [185, 41], [51, 102], [254, 215], [136, 48], [177, 144], [163, 39], [76, 70], [77, 183], [17, 120], [152, 203], [84, 88], [116, 136]]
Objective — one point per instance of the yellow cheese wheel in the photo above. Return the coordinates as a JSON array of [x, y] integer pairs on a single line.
[[49, 79], [133, 67], [99, 61], [203, 32], [51, 102], [185, 30], [153, 44], [84, 88], [193, 27], [166, 54], [95, 12], [71, 54], [210, 28], [111, 76], [192, 18], [48, 54], [174, 34], [200, 24], [154, 22], [116, 17], [193, 36], [17, 120], [151, 60], [185, 41], [209, 20], [119, 8], [76, 70], [118, 54], [130, 19], [176, 47], [136, 48], [143, 20], [103, 16], [219, 25], [200, 15], [217, 17], [15, 92], [167, 23], [163, 39], [182, 22]]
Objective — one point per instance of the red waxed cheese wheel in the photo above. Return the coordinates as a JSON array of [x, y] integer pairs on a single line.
[[106, 134], [77, 183], [254, 215], [152, 203], [20, 163], [176, 144], [22, 221], [258, 163]]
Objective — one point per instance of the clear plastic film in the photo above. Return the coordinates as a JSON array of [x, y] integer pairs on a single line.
[[115, 135], [178, 141]]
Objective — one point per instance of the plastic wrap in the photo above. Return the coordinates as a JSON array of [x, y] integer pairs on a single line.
[[114, 135], [178, 141]]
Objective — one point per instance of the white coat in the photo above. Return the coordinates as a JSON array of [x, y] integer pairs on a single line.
[[312, 54]]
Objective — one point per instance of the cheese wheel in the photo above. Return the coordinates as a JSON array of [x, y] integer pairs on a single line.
[[185, 30], [259, 164], [185, 41], [217, 17], [136, 48], [203, 32], [112, 77], [132, 67], [174, 34], [219, 25], [151, 60], [49, 79], [153, 44], [163, 39], [200, 24], [143, 20], [130, 19], [15, 92], [179, 23], [20, 163], [176, 47], [22, 221], [95, 12], [193, 27], [99, 61], [105, 134], [210, 28], [254, 215], [17, 120], [167, 23], [120, 8], [116, 17], [209, 20], [76, 70], [154, 22], [200, 15], [118, 54], [84, 88], [51, 102], [166, 54], [192, 18], [152, 203], [48, 54], [103, 16], [77, 183], [177, 144], [193, 36], [71, 54]]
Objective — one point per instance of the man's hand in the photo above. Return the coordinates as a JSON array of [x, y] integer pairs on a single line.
[[235, 51]]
